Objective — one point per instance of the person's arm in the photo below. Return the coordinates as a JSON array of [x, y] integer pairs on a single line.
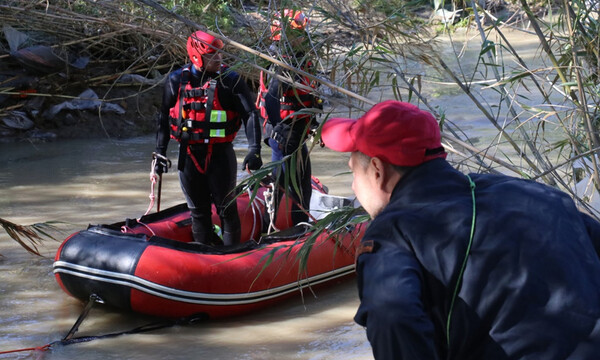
[[163, 130], [273, 99], [391, 308], [249, 114]]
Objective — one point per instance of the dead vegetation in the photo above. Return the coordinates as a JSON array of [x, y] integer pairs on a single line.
[[52, 52]]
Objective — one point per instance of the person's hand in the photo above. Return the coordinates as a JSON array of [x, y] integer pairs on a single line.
[[287, 137], [161, 163], [252, 161]]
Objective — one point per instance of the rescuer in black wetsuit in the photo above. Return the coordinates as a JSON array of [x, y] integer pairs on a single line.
[[291, 112], [204, 104]]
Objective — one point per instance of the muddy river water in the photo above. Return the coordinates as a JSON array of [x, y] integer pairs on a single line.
[[78, 182]]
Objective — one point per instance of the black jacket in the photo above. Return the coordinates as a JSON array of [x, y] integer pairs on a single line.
[[530, 289], [233, 95]]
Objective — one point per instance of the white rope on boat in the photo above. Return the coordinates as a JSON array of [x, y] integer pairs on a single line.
[[270, 204], [153, 181]]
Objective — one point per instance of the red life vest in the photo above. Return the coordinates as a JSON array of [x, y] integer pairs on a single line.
[[203, 120], [292, 101]]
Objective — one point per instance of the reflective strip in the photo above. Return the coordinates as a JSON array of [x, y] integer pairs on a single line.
[[193, 297], [218, 116]]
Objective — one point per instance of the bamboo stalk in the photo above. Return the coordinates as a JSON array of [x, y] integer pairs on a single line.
[[349, 93], [514, 114], [547, 49], [593, 141], [489, 116]]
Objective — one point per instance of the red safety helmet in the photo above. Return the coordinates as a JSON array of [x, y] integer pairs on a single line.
[[200, 43], [297, 20]]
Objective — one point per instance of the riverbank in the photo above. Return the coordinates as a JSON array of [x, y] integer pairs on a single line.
[[96, 70]]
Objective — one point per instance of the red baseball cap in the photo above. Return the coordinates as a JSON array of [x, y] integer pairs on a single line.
[[398, 133]]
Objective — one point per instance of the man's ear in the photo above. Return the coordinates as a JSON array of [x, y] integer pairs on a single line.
[[379, 172], [385, 177]]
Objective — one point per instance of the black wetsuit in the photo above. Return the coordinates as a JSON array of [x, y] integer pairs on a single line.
[[215, 184], [301, 199]]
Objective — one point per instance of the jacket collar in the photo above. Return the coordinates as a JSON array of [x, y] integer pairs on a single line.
[[418, 181]]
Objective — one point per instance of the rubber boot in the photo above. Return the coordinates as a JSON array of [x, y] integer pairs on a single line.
[[210, 239], [231, 238], [201, 227], [200, 237]]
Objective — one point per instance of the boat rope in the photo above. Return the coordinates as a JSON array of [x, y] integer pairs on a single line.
[[153, 181], [295, 202], [152, 233], [270, 203], [94, 299], [125, 228], [155, 178], [39, 348]]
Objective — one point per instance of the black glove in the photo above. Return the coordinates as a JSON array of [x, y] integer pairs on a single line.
[[253, 160], [288, 137], [162, 164]]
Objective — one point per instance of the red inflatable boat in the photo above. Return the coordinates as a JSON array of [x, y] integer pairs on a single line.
[[150, 266]]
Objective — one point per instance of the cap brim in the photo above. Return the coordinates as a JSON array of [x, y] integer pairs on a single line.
[[337, 134]]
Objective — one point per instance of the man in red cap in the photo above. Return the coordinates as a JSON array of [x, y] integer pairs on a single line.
[[458, 266], [204, 105]]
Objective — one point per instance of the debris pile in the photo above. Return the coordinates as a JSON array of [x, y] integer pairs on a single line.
[[77, 69]]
